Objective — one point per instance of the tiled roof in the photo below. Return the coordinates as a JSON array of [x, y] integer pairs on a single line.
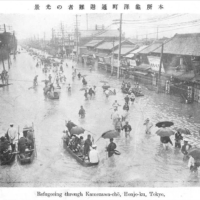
[[93, 43], [150, 48], [109, 33], [126, 49], [182, 44]]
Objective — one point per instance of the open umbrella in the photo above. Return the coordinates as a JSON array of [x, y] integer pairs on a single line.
[[165, 123], [110, 134], [195, 153], [184, 131], [163, 132], [77, 130]]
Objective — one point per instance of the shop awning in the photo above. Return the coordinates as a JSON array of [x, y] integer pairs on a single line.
[[185, 77], [143, 67]]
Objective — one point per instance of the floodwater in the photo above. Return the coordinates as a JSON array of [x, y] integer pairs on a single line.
[[142, 162]]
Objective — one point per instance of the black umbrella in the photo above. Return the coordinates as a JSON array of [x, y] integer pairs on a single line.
[[164, 123]]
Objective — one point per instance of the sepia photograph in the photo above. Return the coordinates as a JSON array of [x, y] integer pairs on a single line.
[[99, 99]]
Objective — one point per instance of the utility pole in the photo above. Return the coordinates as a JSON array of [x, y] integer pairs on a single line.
[[87, 21], [120, 39], [157, 32], [160, 67], [112, 66], [77, 37]]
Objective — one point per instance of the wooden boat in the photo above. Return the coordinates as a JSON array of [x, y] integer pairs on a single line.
[[56, 96], [77, 156], [136, 93], [8, 161], [3, 85], [29, 155]]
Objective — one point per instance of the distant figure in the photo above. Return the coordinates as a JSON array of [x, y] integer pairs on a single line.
[[126, 107], [178, 138], [111, 148], [115, 104], [132, 97], [127, 129], [50, 77], [115, 116], [81, 112], [86, 95], [185, 148], [148, 125], [35, 82], [127, 99], [79, 75], [69, 88]]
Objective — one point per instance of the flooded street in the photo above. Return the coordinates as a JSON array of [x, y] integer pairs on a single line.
[[143, 161]]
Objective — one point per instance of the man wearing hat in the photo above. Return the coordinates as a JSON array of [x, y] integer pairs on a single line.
[[94, 155], [12, 136]]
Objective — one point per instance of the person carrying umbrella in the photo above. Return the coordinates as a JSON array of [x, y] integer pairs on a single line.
[[165, 140], [111, 148]]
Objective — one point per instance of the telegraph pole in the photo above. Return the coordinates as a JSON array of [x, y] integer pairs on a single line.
[[120, 39], [87, 21], [157, 32], [160, 67], [112, 66], [77, 37]]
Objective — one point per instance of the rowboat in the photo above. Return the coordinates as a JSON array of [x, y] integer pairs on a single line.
[[9, 160], [77, 156], [29, 154], [3, 85]]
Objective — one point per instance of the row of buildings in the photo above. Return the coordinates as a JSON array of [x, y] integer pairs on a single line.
[[139, 59], [179, 67], [8, 45]]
